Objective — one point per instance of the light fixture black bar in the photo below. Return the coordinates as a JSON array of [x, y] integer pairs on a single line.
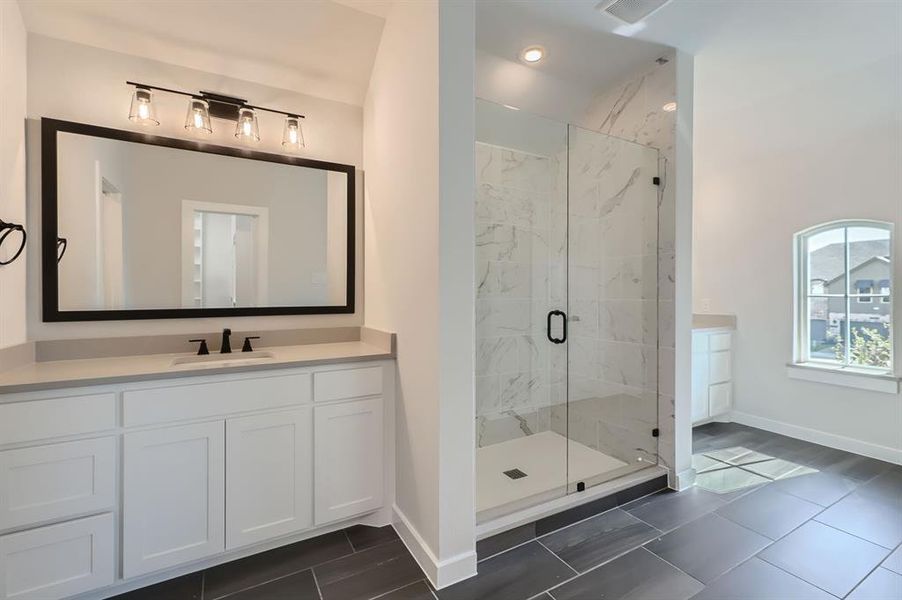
[[239, 102]]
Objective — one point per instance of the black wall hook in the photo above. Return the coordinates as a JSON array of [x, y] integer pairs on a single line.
[[5, 230]]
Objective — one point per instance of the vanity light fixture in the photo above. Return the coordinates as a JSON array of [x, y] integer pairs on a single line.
[[533, 54], [198, 118], [202, 106], [510, 107], [142, 110], [669, 107], [247, 130], [292, 134]]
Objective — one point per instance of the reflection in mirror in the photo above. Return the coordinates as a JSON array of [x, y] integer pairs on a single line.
[[157, 227]]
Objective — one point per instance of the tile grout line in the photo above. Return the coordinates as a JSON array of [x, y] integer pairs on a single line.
[[386, 593], [347, 537], [262, 583], [792, 574], [557, 557], [539, 537], [319, 591]]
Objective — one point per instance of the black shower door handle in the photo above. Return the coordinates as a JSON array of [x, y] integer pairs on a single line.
[[563, 316]]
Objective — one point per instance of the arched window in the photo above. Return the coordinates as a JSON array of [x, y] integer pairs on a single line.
[[843, 308]]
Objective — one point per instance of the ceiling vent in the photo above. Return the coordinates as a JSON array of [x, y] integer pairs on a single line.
[[631, 11]]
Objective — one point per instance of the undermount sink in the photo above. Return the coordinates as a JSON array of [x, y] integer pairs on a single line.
[[223, 360]]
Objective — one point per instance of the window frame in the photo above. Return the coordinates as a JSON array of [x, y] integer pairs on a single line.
[[802, 297]]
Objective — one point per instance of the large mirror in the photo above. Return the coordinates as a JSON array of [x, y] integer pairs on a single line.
[[139, 226]]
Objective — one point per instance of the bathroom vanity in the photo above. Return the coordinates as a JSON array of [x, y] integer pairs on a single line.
[[712, 366], [117, 473]]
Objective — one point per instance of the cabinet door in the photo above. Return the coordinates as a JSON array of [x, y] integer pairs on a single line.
[[348, 459], [173, 496], [269, 476], [57, 561], [721, 398]]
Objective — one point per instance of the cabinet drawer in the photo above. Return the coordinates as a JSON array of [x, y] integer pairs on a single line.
[[176, 403], [720, 367], [57, 561], [347, 383], [720, 341], [56, 417], [56, 481], [720, 398]]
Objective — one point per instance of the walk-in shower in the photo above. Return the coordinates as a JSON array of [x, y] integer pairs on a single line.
[[567, 308]]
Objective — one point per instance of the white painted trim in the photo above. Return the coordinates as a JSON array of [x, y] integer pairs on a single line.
[[816, 436], [440, 573], [845, 377], [189, 207], [684, 480]]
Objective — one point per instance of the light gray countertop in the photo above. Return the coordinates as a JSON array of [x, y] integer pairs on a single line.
[[98, 371], [708, 322]]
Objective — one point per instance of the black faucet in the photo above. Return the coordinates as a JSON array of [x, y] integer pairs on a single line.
[[226, 347]]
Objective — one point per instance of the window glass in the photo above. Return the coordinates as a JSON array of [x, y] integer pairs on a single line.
[[825, 329], [847, 295]]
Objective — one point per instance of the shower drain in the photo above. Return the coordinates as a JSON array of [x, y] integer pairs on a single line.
[[515, 474]]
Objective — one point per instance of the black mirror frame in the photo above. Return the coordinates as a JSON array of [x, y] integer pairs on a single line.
[[50, 215]]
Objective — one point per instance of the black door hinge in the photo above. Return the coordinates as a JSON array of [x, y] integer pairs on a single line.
[[656, 180], [655, 432]]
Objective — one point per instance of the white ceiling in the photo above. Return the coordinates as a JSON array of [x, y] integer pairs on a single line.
[[580, 51], [315, 47]]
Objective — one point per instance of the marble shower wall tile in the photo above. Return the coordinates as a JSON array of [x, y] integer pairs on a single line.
[[520, 275]]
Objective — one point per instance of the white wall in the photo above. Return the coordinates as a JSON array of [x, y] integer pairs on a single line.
[[12, 170], [418, 157], [85, 84], [798, 121]]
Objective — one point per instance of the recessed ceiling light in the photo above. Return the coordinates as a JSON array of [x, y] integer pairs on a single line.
[[669, 107], [533, 54]]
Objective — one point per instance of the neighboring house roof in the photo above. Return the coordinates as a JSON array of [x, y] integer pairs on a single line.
[[829, 262], [883, 259]]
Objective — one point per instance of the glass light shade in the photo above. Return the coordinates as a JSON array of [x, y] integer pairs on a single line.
[[198, 119], [292, 134], [247, 129], [142, 110]]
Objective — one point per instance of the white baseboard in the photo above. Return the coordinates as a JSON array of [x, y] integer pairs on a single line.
[[684, 480], [893, 455], [440, 573]]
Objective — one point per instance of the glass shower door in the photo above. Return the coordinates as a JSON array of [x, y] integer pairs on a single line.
[[612, 409], [521, 272]]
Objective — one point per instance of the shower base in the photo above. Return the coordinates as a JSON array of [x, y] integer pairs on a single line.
[[529, 470]]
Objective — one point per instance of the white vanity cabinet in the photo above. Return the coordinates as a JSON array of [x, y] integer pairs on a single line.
[[173, 496], [269, 476], [152, 476], [348, 459], [712, 374]]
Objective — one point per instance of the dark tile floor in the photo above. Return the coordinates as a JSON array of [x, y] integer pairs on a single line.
[[771, 518]]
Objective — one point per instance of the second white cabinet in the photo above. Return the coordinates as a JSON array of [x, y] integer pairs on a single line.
[[269, 476], [712, 374], [173, 496], [348, 458]]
